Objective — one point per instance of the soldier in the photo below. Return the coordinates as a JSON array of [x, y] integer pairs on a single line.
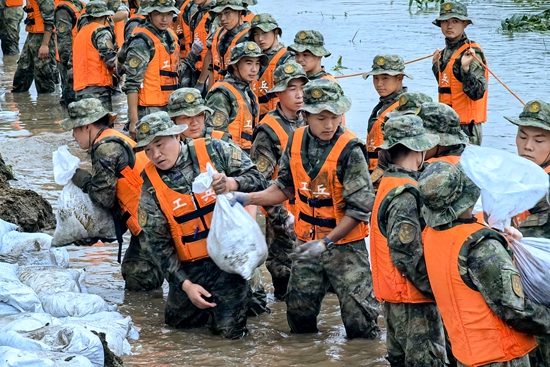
[[11, 15], [249, 15], [37, 60], [95, 54], [476, 285], [181, 26], [67, 13], [309, 49], [270, 140], [136, 17], [118, 19], [200, 292], [151, 63], [114, 183], [533, 143], [235, 105], [415, 331], [463, 81], [265, 31], [324, 167]]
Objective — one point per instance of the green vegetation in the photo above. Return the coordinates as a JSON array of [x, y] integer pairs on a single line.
[[527, 23], [339, 67]]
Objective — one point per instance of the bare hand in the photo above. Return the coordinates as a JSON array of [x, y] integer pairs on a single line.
[[132, 130], [437, 56], [43, 52], [223, 184], [195, 293], [467, 58]]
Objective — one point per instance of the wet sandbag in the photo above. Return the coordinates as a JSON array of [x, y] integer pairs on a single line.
[[71, 339], [15, 242], [6, 227], [14, 294], [26, 321], [63, 304], [52, 279], [53, 257], [13, 357], [6, 309], [107, 316]]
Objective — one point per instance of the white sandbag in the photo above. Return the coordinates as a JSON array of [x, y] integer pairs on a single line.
[[20, 296], [60, 257], [8, 272], [57, 338], [52, 257], [6, 227], [77, 218], [235, 241], [63, 304], [52, 279], [6, 309], [15, 242], [26, 321], [133, 333], [203, 182], [13, 357]]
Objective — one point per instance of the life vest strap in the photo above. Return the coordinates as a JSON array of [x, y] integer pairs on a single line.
[[444, 90], [263, 99], [246, 136], [28, 10], [195, 237], [315, 203], [171, 74], [168, 87], [201, 212], [328, 223], [372, 155]]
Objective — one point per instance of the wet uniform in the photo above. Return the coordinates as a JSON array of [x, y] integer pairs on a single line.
[[11, 15]]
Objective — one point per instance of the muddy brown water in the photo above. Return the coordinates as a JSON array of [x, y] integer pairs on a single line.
[[29, 133]]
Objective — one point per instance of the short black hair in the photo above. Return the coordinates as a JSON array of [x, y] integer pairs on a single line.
[[398, 151], [102, 122]]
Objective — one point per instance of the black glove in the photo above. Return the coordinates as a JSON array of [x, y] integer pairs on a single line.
[[81, 178]]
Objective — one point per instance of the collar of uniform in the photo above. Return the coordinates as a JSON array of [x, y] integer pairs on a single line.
[[456, 44], [236, 82], [272, 51], [394, 97], [318, 74], [324, 143], [398, 171], [291, 120], [239, 28], [147, 24], [183, 156], [455, 223]]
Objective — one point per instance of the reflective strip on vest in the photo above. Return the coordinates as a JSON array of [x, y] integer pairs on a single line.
[[220, 62], [265, 82], [34, 22], [375, 137]]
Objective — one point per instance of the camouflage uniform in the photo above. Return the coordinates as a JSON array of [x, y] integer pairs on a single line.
[[10, 25], [314, 42], [474, 83], [345, 266], [483, 257], [266, 152], [229, 291], [108, 160], [29, 66]]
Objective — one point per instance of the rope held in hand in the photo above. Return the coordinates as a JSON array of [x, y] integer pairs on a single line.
[[407, 62]]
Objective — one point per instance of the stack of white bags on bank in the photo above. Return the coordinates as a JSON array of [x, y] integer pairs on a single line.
[[46, 315]]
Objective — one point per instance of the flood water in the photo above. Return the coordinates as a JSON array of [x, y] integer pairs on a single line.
[[357, 30]]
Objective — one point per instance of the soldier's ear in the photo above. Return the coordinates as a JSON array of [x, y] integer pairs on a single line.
[[400, 77]]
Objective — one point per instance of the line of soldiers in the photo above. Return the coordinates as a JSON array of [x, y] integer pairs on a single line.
[[273, 128]]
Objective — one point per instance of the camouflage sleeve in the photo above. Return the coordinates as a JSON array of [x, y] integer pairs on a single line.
[[435, 71], [210, 38], [155, 237], [136, 63], [474, 83], [284, 180], [264, 154], [497, 278], [221, 105], [109, 159], [358, 192], [106, 47], [404, 234], [239, 166], [64, 32], [113, 5], [47, 9]]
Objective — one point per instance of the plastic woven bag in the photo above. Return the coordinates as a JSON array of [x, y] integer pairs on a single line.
[[235, 241]]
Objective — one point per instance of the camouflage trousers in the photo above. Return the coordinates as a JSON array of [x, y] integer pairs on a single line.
[[104, 94], [139, 273], [540, 356], [474, 132], [518, 362], [67, 92], [30, 67], [258, 299], [10, 25], [346, 268], [230, 292], [415, 335]]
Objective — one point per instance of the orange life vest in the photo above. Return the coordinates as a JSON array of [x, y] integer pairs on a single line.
[[375, 137], [319, 202], [89, 69], [452, 159], [73, 10], [119, 32], [182, 30], [201, 32], [219, 61], [11, 3], [189, 215], [242, 126], [34, 22], [451, 93], [478, 336], [388, 282], [522, 216], [248, 17], [161, 77], [128, 187], [264, 83], [219, 135]]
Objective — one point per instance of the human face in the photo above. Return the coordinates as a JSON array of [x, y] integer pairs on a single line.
[[533, 143], [453, 29], [81, 135], [323, 125], [309, 61], [230, 18], [265, 40], [195, 125], [247, 68], [292, 99], [161, 21], [387, 84], [163, 151]]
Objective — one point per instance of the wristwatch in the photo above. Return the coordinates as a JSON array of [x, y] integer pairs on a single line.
[[328, 243]]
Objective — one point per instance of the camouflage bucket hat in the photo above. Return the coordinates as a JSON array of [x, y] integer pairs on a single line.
[[387, 64], [250, 2], [443, 121], [86, 112], [143, 4], [97, 8], [536, 113], [154, 125], [409, 103], [446, 192], [312, 41], [452, 9], [325, 95], [162, 6], [409, 131], [232, 4], [265, 22], [284, 73], [247, 49], [186, 102]]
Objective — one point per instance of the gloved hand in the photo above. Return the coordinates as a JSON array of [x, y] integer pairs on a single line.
[[197, 47], [308, 250], [239, 197], [81, 178], [199, 86], [289, 223]]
